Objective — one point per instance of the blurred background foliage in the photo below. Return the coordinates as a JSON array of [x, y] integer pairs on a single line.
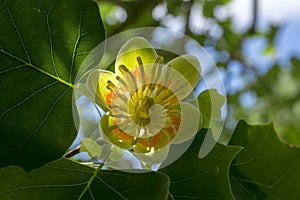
[[259, 65]]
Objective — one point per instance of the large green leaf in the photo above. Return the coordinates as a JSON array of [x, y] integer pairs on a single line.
[[206, 178], [265, 168], [65, 179], [42, 45]]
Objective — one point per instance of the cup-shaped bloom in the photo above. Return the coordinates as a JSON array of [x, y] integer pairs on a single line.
[[149, 104]]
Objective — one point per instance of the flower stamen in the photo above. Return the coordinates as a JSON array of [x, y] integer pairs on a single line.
[[128, 73], [141, 67], [121, 81], [155, 73], [120, 116], [144, 108]]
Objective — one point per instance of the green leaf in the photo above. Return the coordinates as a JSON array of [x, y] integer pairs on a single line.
[[206, 178], [42, 45], [65, 179], [91, 147], [265, 168], [188, 66], [210, 104], [208, 8]]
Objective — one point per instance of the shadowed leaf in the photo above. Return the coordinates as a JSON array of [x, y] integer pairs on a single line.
[[65, 179], [206, 178], [265, 168]]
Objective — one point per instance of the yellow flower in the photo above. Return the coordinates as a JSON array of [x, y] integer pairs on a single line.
[[149, 105]]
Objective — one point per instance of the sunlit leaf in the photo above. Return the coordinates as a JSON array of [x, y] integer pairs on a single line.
[[42, 45]]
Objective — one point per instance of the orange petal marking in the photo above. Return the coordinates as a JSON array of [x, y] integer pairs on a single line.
[[108, 98], [175, 120], [122, 135]]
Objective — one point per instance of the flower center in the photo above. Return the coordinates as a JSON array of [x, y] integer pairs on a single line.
[[145, 112], [139, 110]]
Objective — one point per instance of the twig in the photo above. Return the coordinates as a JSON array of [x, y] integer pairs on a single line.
[[73, 152], [188, 17], [254, 17]]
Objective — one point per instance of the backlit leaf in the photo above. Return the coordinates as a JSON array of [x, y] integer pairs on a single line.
[[42, 45]]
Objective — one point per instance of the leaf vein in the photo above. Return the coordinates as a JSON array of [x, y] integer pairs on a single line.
[[110, 187], [27, 98], [12, 68], [190, 197], [75, 47], [41, 187], [91, 194], [68, 169], [17, 30], [260, 184], [242, 187], [41, 124], [189, 178], [36, 68], [89, 182], [255, 159], [50, 36]]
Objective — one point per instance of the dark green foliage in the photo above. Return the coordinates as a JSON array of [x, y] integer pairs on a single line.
[[266, 168], [42, 45]]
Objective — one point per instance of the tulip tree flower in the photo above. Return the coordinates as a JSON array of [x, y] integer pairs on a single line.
[[149, 105]]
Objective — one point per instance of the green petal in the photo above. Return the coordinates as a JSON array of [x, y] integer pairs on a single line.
[[188, 66], [97, 83], [175, 82], [155, 157], [115, 136], [116, 154], [133, 48], [188, 128]]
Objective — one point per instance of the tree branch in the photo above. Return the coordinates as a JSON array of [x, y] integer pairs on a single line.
[[73, 152], [254, 16]]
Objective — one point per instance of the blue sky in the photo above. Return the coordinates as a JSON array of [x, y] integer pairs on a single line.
[[278, 12]]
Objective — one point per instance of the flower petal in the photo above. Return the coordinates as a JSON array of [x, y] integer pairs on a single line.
[[155, 157], [116, 153], [97, 83], [172, 81], [133, 48], [81, 89], [111, 132], [190, 117], [154, 143], [188, 66], [114, 133]]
